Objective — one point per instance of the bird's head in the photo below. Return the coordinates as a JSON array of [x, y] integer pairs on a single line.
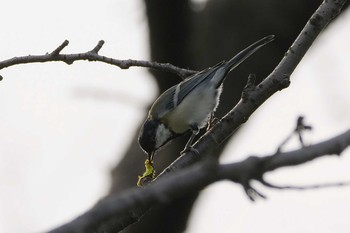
[[153, 135]]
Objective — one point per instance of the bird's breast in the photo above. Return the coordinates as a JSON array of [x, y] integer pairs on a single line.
[[194, 109]]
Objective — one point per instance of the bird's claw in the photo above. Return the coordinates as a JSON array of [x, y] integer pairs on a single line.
[[190, 149], [213, 120]]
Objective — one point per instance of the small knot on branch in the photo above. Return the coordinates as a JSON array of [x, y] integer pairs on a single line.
[[249, 87], [67, 60], [285, 82], [125, 64], [316, 21]]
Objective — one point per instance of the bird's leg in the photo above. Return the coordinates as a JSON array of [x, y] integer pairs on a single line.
[[212, 121], [195, 130], [188, 147]]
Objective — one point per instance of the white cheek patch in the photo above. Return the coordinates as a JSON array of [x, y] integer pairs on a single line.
[[162, 135]]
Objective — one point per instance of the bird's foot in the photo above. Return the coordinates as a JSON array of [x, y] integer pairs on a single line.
[[212, 121], [190, 149]]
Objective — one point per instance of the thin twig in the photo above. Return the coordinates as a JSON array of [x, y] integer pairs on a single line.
[[305, 187], [93, 55], [98, 47], [60, 48], [299, 128], [251, 192]]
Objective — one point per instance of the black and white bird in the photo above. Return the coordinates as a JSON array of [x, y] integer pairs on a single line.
[[187, 106]]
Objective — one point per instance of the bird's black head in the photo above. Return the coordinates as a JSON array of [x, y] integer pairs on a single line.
[[147, 136], [154, 135]]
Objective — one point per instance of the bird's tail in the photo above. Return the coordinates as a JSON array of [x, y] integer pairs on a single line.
[[245, 53]]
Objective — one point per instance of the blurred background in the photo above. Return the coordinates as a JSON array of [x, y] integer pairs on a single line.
[[68, 133]]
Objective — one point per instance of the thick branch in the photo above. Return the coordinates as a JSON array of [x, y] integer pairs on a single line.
[[333, 146], [193, 179], [93, 55]]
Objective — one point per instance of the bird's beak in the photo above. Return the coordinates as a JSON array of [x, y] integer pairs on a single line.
[[150, 156]]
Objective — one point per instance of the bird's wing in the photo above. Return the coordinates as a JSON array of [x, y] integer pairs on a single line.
[[192, 82], [176, 94]]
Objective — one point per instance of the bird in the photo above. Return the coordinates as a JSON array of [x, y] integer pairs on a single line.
[[189, 105]]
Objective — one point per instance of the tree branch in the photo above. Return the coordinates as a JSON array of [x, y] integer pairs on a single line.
[[135, 201], [93, 55]]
